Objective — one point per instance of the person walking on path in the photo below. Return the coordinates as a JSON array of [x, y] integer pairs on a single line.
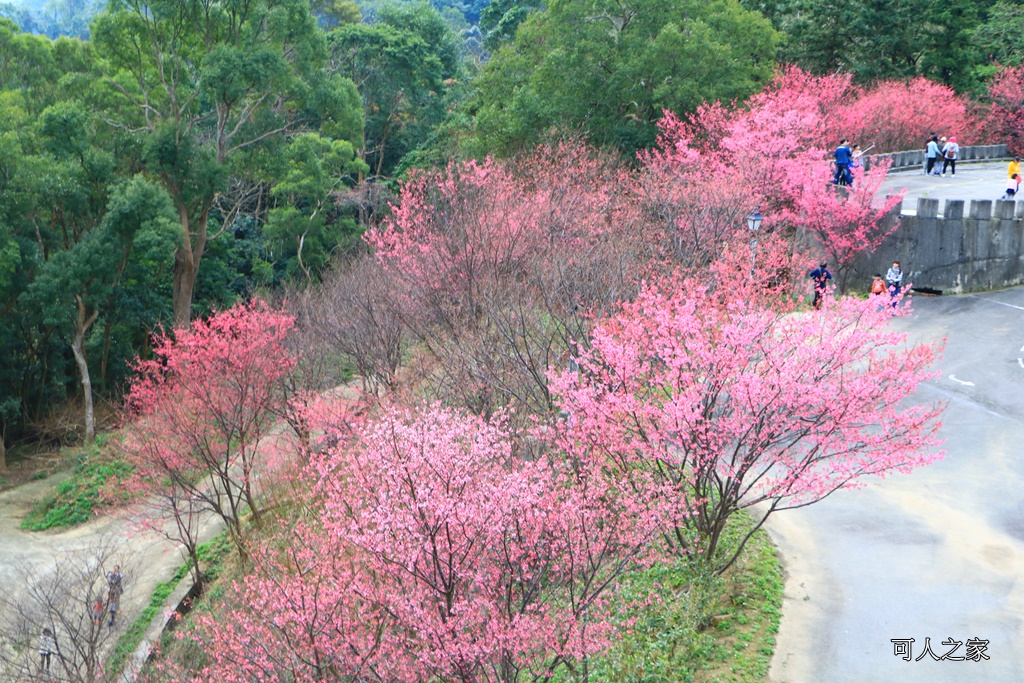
[[1014, 168], [894, 279], [114, 590], [821, 278], [844, 157], [932, 155], [1011, 186], [47, 646], [97, 612], [949, 155]]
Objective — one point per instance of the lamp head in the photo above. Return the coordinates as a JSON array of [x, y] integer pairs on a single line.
[[754, 220]]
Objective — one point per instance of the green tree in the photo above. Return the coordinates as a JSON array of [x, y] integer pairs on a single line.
[[402, 65], [1000, 38], [31, 370], [65, 310], [609, 68], [884, 39], [303, 224], [500, 19], [27, 65], [66, 18], [75, 285], [206, 84], [332, 13]]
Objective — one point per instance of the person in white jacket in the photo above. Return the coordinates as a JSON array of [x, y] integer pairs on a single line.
[[950, 153], [894, 279], [47, 647]]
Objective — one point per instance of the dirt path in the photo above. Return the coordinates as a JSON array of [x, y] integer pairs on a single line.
[[146, 557], [157, 559]]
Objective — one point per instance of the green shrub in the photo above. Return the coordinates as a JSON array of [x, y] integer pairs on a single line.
[[79, 495], [680, 623]]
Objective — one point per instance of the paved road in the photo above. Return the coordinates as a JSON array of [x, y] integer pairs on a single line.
[[972, 181], [932, 554]]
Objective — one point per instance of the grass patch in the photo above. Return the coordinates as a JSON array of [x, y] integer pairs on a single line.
[[692, 627], [211, 555], [77, 497]]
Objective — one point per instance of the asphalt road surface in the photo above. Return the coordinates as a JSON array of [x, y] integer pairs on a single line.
[[983, 180], [938, 553]]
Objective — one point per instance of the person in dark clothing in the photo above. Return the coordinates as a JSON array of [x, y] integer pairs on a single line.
[[114, 590], [821, 278], [844, 157], [932, 154]]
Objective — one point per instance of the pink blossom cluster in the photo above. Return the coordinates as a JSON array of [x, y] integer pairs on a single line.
[[434, 553], [777, 147], [1006, 112], [710, 402]]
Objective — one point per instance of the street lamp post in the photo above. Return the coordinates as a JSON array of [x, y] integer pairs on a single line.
[[754, 225]]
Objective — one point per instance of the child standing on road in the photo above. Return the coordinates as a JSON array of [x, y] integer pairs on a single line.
[[877, 285], [97, 612], [1011, 186]]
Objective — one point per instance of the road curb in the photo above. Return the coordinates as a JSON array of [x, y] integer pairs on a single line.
[[156, 628]]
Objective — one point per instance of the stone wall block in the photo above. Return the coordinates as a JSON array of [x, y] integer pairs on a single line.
[[1004, 209], [954, 210], [981, 209], [927, 208]]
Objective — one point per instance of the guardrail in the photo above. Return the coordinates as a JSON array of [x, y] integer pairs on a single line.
[[916, 158]]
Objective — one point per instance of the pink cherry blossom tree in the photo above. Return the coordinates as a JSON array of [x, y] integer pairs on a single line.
[[436, 554], [845, 222], [499, 265], [706, 403], [818, 111], [900, 115], [199, 413], [774, 150], [1006, 113]]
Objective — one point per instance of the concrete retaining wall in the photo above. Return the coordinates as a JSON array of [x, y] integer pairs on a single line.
[[957, 252], [916, 158]]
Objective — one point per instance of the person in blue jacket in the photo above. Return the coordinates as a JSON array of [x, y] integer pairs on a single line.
[[821, 277], [844, 157]]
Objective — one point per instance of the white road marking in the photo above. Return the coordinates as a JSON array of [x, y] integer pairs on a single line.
[[993, 301], [1020, 362], [967, 384]]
